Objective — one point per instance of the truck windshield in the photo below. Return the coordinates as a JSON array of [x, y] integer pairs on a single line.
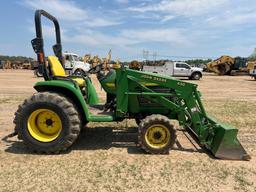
[[76, 58]]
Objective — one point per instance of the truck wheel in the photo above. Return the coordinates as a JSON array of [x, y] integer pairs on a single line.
[[79, 72], [196, 76], [37, 73], [156, 134], [47, 122]]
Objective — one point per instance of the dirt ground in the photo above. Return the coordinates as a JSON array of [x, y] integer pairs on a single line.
[[106, 158]]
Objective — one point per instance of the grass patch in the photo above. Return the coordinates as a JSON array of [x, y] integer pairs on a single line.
[[115, 169], [240, 177], [237, 113]]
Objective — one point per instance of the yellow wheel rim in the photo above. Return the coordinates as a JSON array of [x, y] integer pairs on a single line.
[[157, 136], [44, 125]]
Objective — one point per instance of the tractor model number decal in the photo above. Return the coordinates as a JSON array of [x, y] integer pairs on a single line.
[[154, 78], [181, 84]]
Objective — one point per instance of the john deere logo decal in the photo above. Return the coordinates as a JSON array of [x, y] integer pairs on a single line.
[[153, 78]]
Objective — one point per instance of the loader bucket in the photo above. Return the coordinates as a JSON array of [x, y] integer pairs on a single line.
[[225, 144]]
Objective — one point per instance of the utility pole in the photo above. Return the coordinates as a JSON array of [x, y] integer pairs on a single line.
[[154, 56], [145, 54]]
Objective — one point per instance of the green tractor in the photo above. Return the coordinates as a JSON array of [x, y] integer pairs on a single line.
[[50, 121]]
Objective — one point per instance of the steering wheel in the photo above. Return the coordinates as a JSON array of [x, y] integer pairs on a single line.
[[95, 69]]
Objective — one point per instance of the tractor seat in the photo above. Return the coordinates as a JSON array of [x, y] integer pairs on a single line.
[[58, 71]]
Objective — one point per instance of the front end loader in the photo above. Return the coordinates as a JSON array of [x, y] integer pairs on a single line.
[[51, 120]]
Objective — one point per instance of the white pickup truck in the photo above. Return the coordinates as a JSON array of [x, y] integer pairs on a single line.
[[74, 66], [252, 73], [176, 69]]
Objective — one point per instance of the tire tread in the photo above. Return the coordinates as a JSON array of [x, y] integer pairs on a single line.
[[69, 109]]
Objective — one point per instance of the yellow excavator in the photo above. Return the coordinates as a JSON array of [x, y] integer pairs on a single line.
[[7, 64], [226, 65]]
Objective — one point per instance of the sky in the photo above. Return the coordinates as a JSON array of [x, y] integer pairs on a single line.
[[168, 29]]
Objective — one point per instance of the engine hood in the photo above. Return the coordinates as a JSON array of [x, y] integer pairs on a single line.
[[80, 63], [196, 69]]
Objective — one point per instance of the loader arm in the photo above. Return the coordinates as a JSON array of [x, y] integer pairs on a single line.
[[220, 139]]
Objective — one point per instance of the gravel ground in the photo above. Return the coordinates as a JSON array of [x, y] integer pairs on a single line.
[[105, 157]]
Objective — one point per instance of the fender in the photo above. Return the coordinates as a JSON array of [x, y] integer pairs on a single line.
[[66, 88]]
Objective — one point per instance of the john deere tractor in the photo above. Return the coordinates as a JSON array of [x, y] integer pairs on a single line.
[[50, 121]]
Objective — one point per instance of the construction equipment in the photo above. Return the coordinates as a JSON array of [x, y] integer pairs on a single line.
[[2, 64], [95, 61], [26, 65], [87, 58], [226, 65], [239, 67], [251, 66], [135, 65], [50, 120], [7, 64], [107, 60], [17, 64]]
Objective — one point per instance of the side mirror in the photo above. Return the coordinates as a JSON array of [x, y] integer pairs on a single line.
[[188, 67]]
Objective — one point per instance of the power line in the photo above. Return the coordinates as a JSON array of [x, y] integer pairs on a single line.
[[154, 56], [180, 56], [146, 54]]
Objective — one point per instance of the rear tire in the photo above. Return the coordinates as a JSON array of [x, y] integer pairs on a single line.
[[79, 72], [196, 76], [37, 73], [57, 132], [156, 134]]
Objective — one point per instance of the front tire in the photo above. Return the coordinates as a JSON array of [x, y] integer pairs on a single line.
[[47, 122], [156, 134]]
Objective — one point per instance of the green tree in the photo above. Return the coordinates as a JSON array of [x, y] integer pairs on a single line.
[[15, 58]]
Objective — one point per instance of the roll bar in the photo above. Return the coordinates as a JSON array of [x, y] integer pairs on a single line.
[[38, 42]]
